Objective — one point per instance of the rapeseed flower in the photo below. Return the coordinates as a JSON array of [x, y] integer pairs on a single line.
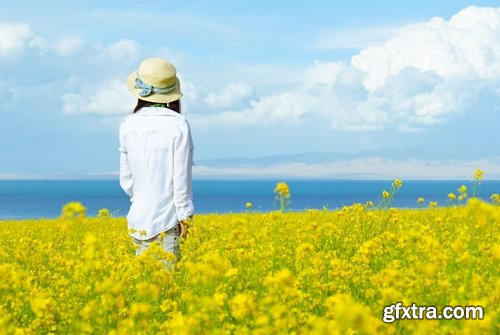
[[103, 213], [478, 174], [282, 190], [433, 204], [282, 195], [242, 305], [495, 198], [462, 189], [311, 272], [73, 210]]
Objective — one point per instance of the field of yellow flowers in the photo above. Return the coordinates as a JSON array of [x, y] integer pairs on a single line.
[[312, 272]]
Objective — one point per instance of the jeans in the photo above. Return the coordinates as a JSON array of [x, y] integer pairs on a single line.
[[169, 243]]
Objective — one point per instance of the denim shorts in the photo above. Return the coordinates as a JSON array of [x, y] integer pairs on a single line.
[[169, 243]]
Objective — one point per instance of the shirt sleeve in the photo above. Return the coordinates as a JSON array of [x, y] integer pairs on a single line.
[[126, 181], [182, 174]]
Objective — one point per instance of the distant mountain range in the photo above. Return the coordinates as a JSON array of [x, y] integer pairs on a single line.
[[396, 153], [387, 163]]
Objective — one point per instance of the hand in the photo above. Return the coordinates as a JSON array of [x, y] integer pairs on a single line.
[[184, 229]]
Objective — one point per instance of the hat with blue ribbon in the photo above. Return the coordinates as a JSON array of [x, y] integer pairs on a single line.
[[156, 81]]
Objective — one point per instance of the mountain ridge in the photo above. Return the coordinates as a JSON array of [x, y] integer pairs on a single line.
[[319, 157]]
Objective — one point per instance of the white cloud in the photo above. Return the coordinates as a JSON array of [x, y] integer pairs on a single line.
[[423, 76], [230, 96], [320, 72], [468, 45], [68, 45], [69, 65], [108, 99], [19, 37], [282, 108], [122, 49], [325, 91], [14, 37]]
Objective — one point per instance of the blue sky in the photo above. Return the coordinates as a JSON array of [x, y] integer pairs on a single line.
[[259, 78]]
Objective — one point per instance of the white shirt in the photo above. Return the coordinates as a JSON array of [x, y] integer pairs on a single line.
[[156, 169]]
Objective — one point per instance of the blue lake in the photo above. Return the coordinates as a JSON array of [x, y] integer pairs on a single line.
[[20, 199]]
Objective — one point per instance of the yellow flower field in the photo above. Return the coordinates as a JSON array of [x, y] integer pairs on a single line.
[[312, 272]]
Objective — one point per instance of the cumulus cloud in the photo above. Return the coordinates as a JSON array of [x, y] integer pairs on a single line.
[[102, 94], [68, 45], [284, 108], [61, 64], [109, 99], [14, 37], [468, 45], [424, 75], [320, 73], [20, 37], [230, 96], [122, 49]]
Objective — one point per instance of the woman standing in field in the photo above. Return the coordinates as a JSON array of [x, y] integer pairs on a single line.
[[156, 158]]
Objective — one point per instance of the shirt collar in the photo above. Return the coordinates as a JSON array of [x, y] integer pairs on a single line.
[[158, 111]]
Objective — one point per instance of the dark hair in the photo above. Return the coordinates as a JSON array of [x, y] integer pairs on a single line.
[[174, 105]]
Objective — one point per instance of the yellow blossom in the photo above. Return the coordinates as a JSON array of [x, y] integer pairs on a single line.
[[73, 210], [103, 213], [433, 204], [495, 198], [282, 190], [282, 195], [308, 272], [242, 305], [478, 174]]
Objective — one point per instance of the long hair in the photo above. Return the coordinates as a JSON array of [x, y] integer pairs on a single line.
[[174, 105]]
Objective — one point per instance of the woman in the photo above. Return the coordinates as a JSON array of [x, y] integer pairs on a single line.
[[156, 158]]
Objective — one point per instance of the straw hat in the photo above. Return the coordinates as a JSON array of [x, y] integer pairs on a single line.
[[155, 80]]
